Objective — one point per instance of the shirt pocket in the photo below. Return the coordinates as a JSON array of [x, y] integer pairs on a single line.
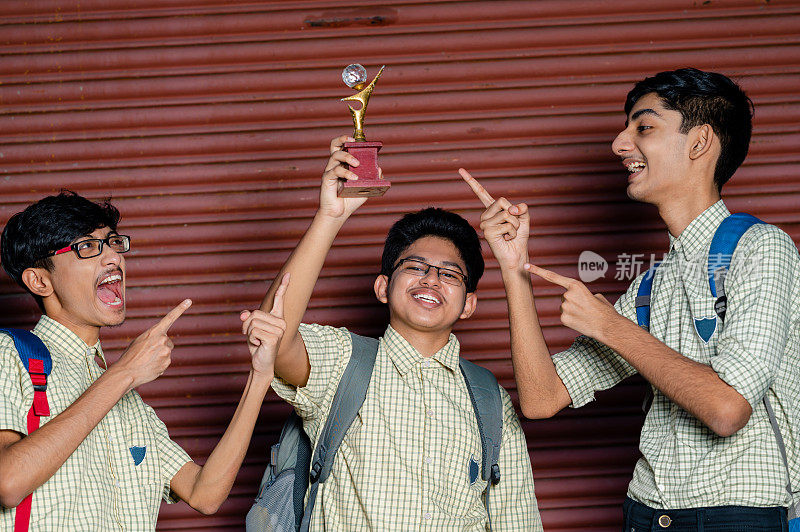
[[458, 486], [703, 327]]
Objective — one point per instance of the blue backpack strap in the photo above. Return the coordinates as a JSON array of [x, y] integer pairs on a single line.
[[724, 243], [36, 359], [642, 301], [484, 392], [30, 346], [347, 401]]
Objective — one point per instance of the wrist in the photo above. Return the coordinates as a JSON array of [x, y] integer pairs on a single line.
[[325, 219], [612, 327], [261, 380], [121, 375]]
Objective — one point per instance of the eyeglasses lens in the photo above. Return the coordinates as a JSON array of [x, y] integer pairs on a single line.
[[420, 269]]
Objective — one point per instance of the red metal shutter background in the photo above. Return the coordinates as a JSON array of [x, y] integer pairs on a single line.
[[208, 122]]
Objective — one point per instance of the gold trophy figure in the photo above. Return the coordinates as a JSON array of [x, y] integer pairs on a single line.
[[369, 182]]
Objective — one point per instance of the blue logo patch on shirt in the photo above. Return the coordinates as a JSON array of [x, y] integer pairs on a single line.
[[473, 470], [705, 328], [138, 454]]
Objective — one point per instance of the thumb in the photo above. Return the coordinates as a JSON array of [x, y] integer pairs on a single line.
[[243, 315]]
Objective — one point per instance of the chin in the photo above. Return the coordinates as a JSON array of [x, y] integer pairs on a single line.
[[113, 317]]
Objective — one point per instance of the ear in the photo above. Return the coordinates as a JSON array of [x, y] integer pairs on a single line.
[[470, 304], [702, 140], [38, 281], [381, 288]]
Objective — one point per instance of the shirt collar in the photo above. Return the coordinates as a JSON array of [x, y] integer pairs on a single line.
[[695, 239], [404, 356], [59, 337]]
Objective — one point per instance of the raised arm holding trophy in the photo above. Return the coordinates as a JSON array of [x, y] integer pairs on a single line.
[[369, 182]]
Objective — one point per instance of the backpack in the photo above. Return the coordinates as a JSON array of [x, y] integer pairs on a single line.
[[279, 506], [36, 359], [723, 244]]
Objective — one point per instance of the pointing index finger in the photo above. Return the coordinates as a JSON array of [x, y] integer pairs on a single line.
[[172, 316], [477, 188], [547, 275], [277, 303]]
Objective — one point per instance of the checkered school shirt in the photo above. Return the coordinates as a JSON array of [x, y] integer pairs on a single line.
[[100, 486], [404, 464], [757, 352]]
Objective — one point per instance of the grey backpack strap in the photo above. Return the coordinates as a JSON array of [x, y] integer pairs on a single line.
[[485, 395], [347, 401], [782, 447]]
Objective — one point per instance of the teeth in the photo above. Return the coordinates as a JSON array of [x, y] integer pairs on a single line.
[[426, 297], [633, 167], [111, 279]]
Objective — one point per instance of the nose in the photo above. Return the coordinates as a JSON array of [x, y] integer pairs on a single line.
[[110, 257], [622, 144], [430, 277]]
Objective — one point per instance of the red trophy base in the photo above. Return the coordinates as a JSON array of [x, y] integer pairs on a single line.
[[368, 184]]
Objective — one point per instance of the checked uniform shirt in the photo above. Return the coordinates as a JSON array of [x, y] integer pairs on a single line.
[[405, 462], [117, 476], [756, 351]]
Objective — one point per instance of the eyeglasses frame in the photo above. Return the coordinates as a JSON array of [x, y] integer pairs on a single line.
[[438, 269], [103, 241]]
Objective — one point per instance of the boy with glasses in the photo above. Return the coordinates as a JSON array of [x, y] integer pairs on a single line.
[[101, 459], [405, 461]]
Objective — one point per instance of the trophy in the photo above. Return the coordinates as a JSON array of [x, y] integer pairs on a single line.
[[369, 182]]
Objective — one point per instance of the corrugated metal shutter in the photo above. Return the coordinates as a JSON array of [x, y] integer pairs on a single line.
[[208, 122]]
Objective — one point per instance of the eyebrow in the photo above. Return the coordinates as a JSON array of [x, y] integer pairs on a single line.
[[647, 111], [110, 232], [444, 262]]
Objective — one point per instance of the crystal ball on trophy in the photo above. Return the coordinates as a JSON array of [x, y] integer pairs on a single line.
[[354, 76]]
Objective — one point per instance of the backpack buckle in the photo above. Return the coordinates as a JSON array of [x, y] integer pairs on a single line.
[[721, 306], [494, 476], [273, 454], [313, 475]]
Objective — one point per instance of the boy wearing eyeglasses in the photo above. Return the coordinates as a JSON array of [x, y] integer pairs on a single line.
[[101, 459], [405, 461]]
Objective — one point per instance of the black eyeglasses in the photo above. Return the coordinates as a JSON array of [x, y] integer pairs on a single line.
[[92, 247], [419, 268]]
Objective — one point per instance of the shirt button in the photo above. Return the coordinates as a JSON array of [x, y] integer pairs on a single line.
[[428, 515], [427, 363], [430, 413], [428, 459]]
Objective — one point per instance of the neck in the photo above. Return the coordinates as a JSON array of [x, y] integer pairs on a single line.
[[89, 334], [428, 343], [678, 212]]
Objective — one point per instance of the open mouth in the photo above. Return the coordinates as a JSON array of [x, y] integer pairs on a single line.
[[109, 290], [427, 298], [634, 168]]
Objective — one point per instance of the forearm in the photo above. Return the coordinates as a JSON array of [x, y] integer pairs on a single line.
[[693, 386], [209, 485], [304, 265], [32, 460], [541, 391]]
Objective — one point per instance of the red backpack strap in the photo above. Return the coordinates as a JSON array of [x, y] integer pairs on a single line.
[[36, 359]]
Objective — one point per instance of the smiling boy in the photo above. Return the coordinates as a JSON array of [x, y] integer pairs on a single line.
[[710, 459], [102, 460], [405, 461]]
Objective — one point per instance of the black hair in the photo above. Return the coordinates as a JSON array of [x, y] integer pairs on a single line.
[[50, 224], [440, 223], [705, 98]]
